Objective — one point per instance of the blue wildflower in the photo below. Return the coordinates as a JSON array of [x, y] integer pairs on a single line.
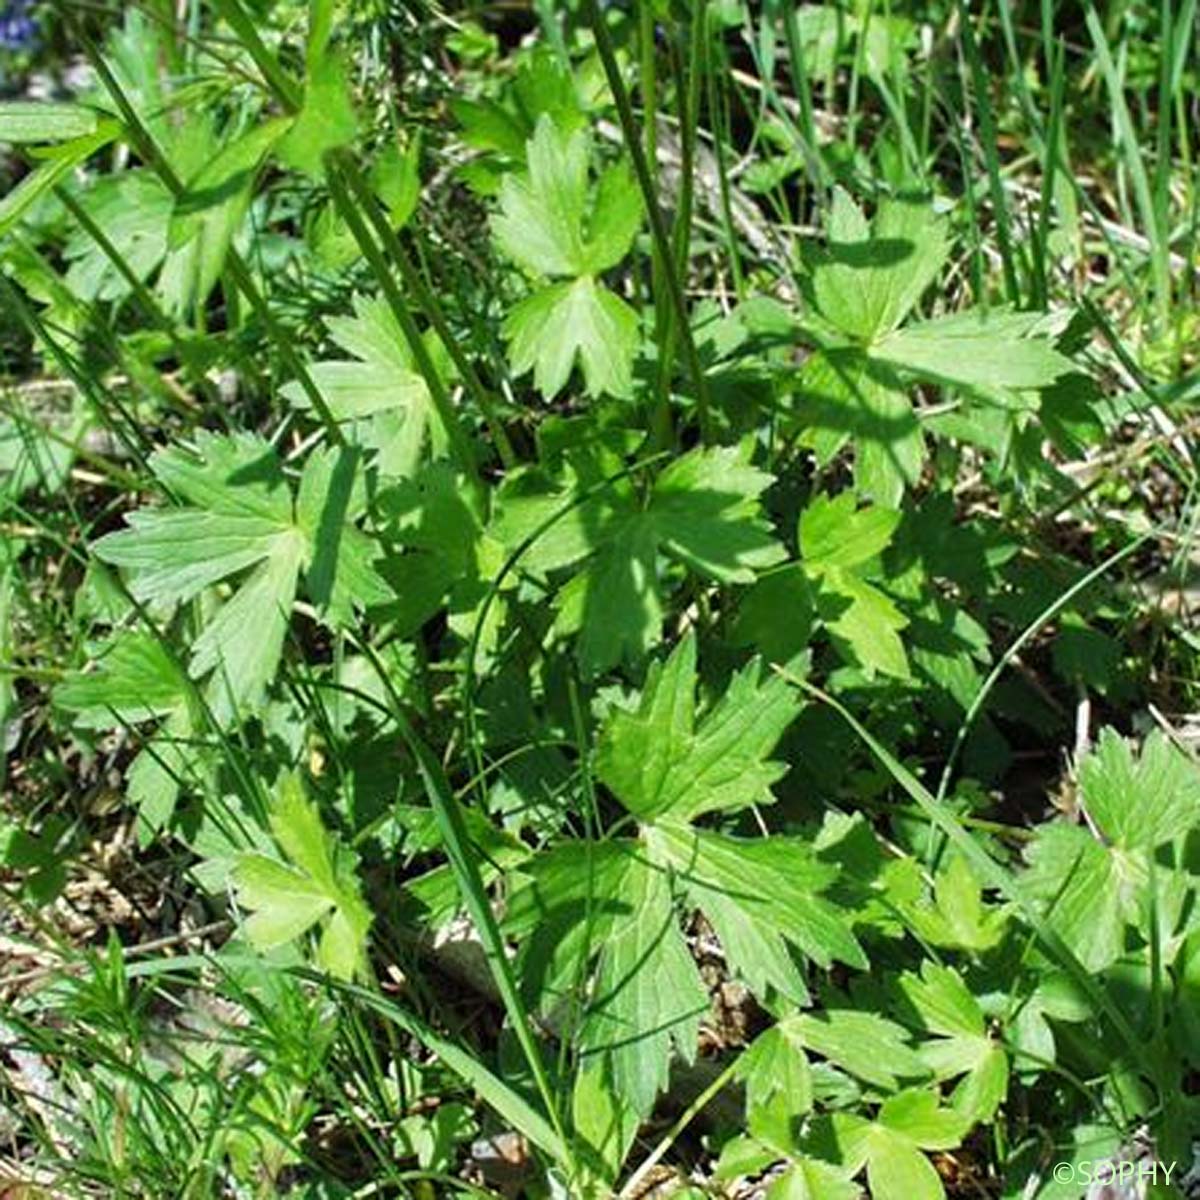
[[18, 29]]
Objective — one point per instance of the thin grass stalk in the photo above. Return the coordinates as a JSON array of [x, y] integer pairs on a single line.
[[428, 303], [658, 228], [991, 150], [460, 444]]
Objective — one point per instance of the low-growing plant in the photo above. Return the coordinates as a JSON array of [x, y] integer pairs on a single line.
[[568, 619]]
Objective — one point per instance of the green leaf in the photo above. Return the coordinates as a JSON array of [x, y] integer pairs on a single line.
[[704, 511], [239, 518], [246, 523], [762, 898], [1140, 803], [544, 226], [615, 604], [616, 218], [834, 534], [864, 621], [845, 395], [153, 780], [318, 884], [569, 900], [577, 321], [661, 761], [866, 280], [542, 222], [776, 614], [958, 918], [891, 1145], [811, 1179], [872, 1048], [325, 121], [917, 1115], [213, 206], [134, 679], [743, 1155], [382, 403], [648, 996], [284, 902], [539, 224], [340, 576], [42, 121], [606, 903], [778, 1084], [242, 644], [618, 899], [1091, 893], [898, 1171], [604, 1124], [947, 1008], [134, 209], [396, 179], [986, 350], [838, 545], [1097, 885]]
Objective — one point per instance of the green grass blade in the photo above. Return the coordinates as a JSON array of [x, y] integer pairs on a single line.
[[991, 150], [38, 183], [503, 1099], [463, 862], [1131, 154], [658, 227]]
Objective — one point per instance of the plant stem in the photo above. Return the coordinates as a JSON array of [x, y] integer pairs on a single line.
[[428, 302], [658, 227], [460, 444]]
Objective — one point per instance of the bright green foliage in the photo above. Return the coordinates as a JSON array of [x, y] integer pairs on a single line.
[[576, 321], [870, 276], [862, 285], [648, 993], [838, 546], [134, 211], [1097, 878], [136, 680], [326, 119], [867, 1045], [317, 883], [812, 1179], [780, 1089], [179, 241], [545, 223], [891, 1145], [615, 658], [38, 183], [611, 901], [1139, 802], [548, 227], [239, 519], [702, 512], [396, 177], [958, 918], [659, 761], [963, 1047], [382, 402], [40, 121], [619, 899], [213, 208]]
